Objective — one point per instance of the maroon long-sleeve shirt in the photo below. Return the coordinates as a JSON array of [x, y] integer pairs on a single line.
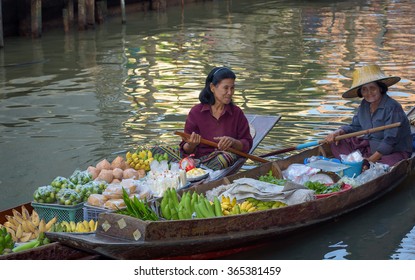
[[232, 123]]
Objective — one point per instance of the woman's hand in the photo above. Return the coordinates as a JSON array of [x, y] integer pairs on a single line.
[[192, 142], [376, 156], [226, 142], [331, 137]]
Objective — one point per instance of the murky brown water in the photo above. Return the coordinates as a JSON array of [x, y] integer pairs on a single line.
[[68, 101]]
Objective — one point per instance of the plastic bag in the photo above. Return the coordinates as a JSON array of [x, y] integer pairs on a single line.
[[356, 156], [299, 173], [376, 169]]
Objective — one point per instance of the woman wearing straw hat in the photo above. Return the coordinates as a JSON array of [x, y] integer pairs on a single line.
[[376, 109]]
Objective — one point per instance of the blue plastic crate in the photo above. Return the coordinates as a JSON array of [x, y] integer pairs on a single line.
[[62, 212]]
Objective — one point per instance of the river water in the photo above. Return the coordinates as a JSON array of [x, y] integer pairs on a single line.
[[68, 101]]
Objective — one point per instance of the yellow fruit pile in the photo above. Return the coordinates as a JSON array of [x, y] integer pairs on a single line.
[[140, 159], [233, 208], [265, 205], [25, 226], [81, 227], [249, 205]]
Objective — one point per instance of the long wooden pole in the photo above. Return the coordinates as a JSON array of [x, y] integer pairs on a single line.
[[36, 18], [232, 150], [338, 138], [123, 18], [1, 27]]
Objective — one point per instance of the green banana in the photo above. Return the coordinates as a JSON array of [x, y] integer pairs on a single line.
[[165, 211], [173, 197], [218, 207], [26, 246], [209, 207], [204, 210], [174, 214], [199, 213], [187, 204]]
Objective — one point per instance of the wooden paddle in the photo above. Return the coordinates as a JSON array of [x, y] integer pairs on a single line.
[[338, 138], [232, 150]]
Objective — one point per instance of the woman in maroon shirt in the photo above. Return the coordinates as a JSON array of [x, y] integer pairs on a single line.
[[216, 118]]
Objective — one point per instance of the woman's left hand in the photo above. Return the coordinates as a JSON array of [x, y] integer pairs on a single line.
[[225, 142]]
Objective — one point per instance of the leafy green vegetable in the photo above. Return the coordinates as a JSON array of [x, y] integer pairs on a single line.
[[137, 208], [269, 178], [320, 188]]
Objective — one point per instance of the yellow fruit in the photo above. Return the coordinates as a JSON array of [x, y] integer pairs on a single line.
[[42, 226], [66, 226], [91, 225], [80, 227], [35, 218], [72, 226], [25, 227], [12, 220], [19, 231], [50, 223], [17, 216], [25, 213], [86, 225], [25, 237], [12, 233], [128, 155], [10, 225]]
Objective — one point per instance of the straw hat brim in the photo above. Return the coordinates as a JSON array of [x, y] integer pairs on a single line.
[[352, 92]]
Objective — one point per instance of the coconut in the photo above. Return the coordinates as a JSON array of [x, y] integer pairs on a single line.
[[93, 171], [106, 175], [103, 164], [130, 173], [118, 162], [118, 173]]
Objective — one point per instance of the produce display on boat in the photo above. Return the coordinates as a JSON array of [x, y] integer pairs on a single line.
[[152, 193]]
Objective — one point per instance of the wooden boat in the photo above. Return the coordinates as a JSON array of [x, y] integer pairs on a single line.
[[260, 126], [123, 237]]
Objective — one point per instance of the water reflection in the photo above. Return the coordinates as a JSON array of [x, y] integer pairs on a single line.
[[339, 252], [406, 250], [70, 100]]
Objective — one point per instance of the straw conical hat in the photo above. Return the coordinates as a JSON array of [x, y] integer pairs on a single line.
[[368, 74]]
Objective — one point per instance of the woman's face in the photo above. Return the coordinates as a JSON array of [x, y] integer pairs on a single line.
[[223, 91], [371, 92]]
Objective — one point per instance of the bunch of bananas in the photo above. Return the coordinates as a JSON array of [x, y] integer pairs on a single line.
[[25, 226], [265, 205], [227, 204], [81, 226], [140, 159], [231, 207]]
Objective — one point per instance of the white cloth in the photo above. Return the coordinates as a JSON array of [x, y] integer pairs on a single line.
[[243, 188]]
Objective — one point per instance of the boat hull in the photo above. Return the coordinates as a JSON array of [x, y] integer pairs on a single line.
[[123, 237]]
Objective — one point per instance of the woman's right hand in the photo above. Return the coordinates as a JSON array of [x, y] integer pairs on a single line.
[[332, 136], [192, 142]]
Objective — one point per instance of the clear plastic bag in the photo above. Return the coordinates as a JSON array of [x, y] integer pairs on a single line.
[[375, 170], [299, 173]]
